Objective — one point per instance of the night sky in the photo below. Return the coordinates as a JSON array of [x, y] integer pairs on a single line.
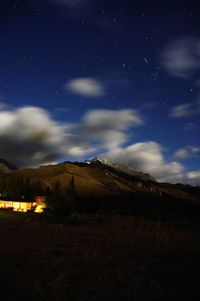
[[115, 79]]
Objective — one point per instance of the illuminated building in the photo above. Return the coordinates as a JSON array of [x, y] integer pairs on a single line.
[[23, 205]]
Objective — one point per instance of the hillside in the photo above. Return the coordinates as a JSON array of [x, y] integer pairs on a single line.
[[96, 179], [5, 166]]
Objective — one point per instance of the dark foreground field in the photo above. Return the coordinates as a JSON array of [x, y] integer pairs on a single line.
[[97, 258]]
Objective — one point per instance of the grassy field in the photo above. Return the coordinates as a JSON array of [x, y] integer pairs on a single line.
[[97, 258]]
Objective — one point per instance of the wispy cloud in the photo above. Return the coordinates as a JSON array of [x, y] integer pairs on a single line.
[[87, 87], [192, 177], [182, 57], [182, 110], [187, 152]]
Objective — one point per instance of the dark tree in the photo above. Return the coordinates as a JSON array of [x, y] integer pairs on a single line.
[[62, 202]]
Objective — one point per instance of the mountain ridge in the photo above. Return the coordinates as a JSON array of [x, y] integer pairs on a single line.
[[122, 168], [94, 178], [6, 166]]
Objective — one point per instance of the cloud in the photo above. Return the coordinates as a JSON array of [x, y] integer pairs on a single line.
[[182, 110], [190, 177], [87, 87], [109, 127], [193, 176], [146, 157], [182, 57], [29, 136], [187, 152], [79, 151], [114, 119]]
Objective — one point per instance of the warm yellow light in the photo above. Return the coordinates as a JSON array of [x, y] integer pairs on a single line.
[[40, 208], [21, 206], [39, 205]]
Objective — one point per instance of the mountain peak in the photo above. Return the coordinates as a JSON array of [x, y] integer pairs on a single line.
[[98, 161]]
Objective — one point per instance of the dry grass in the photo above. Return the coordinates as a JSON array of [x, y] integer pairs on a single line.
[[97, 258]]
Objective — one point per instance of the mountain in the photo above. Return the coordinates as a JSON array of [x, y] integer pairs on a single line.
[[94, 179], [120, 169], [6, 167]]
